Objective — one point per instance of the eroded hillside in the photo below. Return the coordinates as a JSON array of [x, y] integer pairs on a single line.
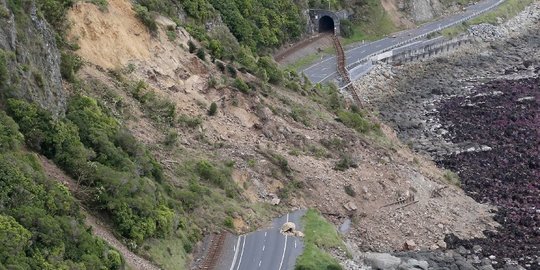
[[166, 135], [281, 143]]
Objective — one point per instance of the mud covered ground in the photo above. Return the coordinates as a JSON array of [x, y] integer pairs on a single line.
[[477, 113]]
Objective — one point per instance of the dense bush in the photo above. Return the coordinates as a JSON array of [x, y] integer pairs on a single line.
[[55, 11], [241, 85], [357, 121], [347, 29], [146, 17], [261, 24], [118, 174], [70, 64], [213, 109], [157, 108], [46, 231], [274, 73], [10, 137], [4, 74]]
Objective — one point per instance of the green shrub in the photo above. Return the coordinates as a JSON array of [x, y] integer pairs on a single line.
[[157, 108], [213, 109], [188, 121], [171, 138], [191, 46], [232, 70], [70, 64], [171, 35], [4, 73], [146, 17], [275, 75], [220, 66], [10, 137], [356, 121], [346, 28], [345, 162], [291, 187], [228, 222], [55, 11], [216, 49], [241, 85], [201, 54], [48, 223], [123, 189]]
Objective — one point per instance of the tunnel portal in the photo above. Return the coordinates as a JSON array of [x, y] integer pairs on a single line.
[[325, 21], [326, 25]]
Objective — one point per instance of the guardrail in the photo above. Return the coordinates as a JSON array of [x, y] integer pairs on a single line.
[[475, 14], [426, 51], [343, 72]]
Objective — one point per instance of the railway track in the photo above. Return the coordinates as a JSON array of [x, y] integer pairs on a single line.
[[342, 71], [214, 251]]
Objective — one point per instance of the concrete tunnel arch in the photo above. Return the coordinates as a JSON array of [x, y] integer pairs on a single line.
[[326, 25], [324, 21]]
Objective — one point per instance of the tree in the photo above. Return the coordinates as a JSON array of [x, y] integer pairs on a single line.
[[13, 237]]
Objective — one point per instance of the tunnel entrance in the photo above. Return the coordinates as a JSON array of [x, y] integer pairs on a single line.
[[326, 24]]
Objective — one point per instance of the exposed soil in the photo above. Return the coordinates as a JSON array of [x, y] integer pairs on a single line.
[[291, 53], [249, 126]]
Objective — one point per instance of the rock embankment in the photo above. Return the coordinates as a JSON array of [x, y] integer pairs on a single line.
[[477, 113]]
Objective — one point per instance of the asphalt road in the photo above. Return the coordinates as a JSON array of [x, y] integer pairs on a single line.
[[266, 249], [325, 69]]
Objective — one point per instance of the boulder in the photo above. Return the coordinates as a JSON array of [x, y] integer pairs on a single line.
[[350, 206], [382, 261], [288, 227], [409, 245], [275, 201], [413, 264]]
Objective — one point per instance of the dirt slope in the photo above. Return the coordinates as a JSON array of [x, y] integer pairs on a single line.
[[250, 129]]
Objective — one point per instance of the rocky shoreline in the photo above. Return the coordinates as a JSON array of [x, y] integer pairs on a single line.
[[477, 113]]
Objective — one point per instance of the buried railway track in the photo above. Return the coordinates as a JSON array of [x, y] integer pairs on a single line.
[[342, 70], [214, 251]]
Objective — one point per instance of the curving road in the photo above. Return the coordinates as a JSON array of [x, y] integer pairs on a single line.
[[266, 249], [325, 69]]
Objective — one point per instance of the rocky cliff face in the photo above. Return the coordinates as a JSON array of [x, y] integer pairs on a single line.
[[28, 46], [423, 10]]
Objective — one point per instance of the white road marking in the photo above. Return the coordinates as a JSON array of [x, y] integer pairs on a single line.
[[326, 77], [235, 252], [242, 253], [265, 234], [284, 248], [260, 263], [316, 64], [295, 243]]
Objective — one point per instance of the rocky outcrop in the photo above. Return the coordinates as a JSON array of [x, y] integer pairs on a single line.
[[28, 44], [423, 10]]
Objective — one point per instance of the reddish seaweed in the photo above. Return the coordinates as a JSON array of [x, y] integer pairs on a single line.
[[504, 115]]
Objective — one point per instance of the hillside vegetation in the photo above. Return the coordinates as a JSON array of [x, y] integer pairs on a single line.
[[173, 123]]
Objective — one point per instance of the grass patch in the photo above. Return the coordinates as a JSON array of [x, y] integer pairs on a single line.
[[357, 121], [373, 26], [307, 60], [168, 253], [505, 11], [320, 236], [452, 178]]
